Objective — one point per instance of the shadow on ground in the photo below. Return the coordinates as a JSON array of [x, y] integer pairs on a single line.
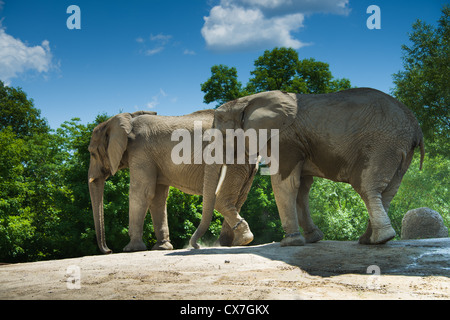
[[426, 257]]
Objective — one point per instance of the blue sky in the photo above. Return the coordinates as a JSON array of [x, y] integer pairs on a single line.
[[153, 55]]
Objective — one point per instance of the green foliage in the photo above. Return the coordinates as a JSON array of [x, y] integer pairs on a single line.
[[276, 69], [424, 84], [184, 215], [337, 210], [260, 211], [28, 181], [222, 86], [429, 187], [19, 113]]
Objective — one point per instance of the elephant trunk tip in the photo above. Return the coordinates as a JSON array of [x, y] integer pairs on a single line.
[[105, 250], [193, 241]]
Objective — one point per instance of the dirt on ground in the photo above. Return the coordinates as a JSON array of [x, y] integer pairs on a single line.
[[409, 269]]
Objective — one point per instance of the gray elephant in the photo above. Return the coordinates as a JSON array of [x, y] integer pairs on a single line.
[[143, 142], [360, 136]]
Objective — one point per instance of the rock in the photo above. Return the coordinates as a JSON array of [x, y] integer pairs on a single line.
[[423, 223]]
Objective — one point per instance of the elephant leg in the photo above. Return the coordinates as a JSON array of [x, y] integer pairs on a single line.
[[311, 232], [226, 235], [392, 188], [286, 192], [142, 190], [379, 229], [379, 188], [158, 210], [241, 234]]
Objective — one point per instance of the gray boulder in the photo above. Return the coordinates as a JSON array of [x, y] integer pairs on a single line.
[[423, 223]]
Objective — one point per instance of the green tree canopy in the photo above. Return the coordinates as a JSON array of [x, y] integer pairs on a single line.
[[274, 70], [277, 69], [424, 84], [222, 86], [18, 112], [28, 160]]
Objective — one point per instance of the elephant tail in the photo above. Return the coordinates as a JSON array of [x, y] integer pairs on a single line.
[[422, 152]]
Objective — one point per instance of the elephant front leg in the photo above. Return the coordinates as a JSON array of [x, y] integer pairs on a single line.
[[226, 235], [138, 202], [237, 231], [285, 192], [158, 210], [311, 232]]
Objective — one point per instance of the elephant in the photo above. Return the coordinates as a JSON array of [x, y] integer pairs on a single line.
[[142, 142], [360, 136]]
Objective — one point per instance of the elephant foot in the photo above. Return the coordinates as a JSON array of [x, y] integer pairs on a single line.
[[293, 239], [135, 245], [163, 245], [378, 235], [242, 234], [225, 240], [226, 236], [314, 236]]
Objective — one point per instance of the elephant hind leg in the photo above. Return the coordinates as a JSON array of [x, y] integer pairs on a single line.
[[311, 232], [379, 229], [378, 192], [379, 200]]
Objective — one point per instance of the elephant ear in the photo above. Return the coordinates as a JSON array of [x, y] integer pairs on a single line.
[[269, 110], [119, 127]]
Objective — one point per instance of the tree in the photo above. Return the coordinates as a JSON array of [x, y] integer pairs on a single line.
[[19, 113], [277, 69], [274, 70], [28, 178], [222, 86], [424, 84], [281, 69]]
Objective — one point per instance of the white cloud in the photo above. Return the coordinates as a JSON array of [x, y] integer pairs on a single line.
[[152, 104], [157, 43], [151, 52], [260, 24], [156, 99], [17, 57], [189, 52], [161, 38], [162, 92]]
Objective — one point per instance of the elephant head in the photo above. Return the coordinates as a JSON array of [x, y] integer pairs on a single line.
[[266, 110], [107, 155]]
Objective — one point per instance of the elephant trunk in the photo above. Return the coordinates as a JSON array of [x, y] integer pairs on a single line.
[[213, 179], [96, 188]]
